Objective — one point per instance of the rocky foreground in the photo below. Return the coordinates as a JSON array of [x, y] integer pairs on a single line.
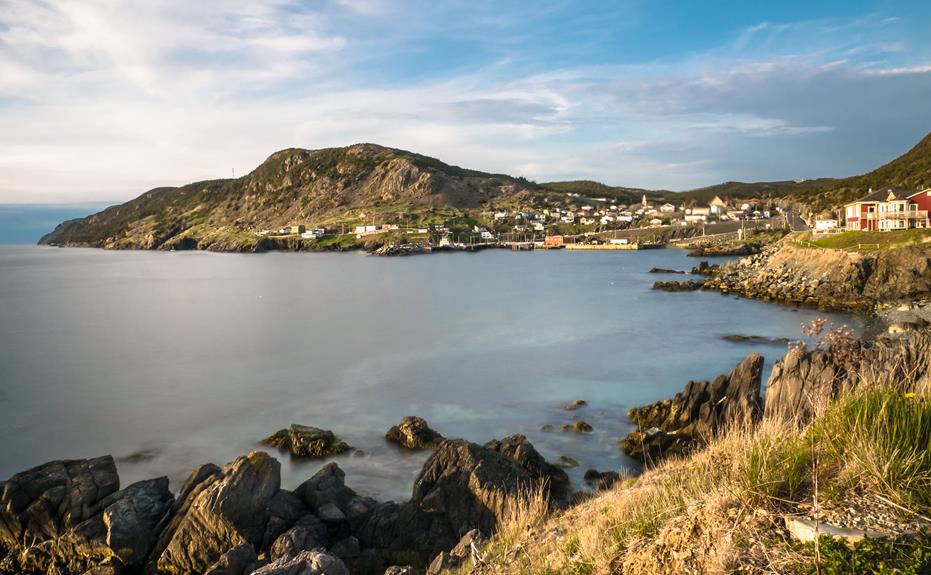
[[73, 517]]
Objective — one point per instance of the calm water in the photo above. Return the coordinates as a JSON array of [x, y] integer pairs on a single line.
[[193, 357]]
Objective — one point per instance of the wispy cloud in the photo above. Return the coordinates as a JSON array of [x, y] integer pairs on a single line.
[[101, 100]]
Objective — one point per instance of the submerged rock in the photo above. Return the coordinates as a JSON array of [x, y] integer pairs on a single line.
[[578, 427], [676, 286], [413, 433], [575, 404], [307, 441]]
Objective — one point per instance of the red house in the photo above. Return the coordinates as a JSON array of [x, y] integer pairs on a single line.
[[889, 209]]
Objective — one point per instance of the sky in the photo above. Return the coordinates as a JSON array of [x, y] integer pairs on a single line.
[[101, 100]]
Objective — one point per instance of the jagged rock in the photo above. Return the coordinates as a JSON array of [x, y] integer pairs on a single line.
[[199, 480], [132, 520], [726, 249], [696, 413], [519, 449], [401, 570], [240, 560], [44, 502], [703, 269], [307, 441], [452, 559], [402, 532], [467, 484], [413, 433], [347, 548], [305, 563], [283, 511], [326, 486], [674, 286], [231, 511], [297, 539]]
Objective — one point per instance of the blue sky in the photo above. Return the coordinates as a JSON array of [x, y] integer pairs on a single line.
[[101, 100]]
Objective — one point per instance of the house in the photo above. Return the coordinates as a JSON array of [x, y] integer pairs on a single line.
[[888, 209], [656, 222], [587, 221], [313, 234], [696, 217], [698, 211], [486, 235], [825, 225], [444, 242], [717, 206], [667, 208], [297, 229], [619, 241], [360, 230], [538, 227], [554, 240]]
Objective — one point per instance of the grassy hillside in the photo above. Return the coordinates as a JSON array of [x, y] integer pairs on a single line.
[[911, 171], [291, 186], [722, 510]]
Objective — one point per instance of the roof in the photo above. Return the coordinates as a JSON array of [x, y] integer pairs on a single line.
[[883, 195], [913, 194]]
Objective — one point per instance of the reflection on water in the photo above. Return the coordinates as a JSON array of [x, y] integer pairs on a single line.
[[193, 357]]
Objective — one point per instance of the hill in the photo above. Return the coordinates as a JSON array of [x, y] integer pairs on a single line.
[[910, 171], [291, 186]]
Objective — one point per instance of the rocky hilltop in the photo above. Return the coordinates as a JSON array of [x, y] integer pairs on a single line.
[[293, 185]]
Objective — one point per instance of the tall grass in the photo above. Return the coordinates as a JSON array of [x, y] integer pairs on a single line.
[[698, 510]]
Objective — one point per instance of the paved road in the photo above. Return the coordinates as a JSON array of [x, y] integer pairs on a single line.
[[796, 223]]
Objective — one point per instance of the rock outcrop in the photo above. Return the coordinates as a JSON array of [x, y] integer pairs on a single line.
[[697, 413], [413, 433], [231, 511], [829, 279], [307, 441], [805, 380], [674, 286]]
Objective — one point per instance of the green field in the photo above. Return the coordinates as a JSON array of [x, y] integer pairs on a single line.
[[869, 240]]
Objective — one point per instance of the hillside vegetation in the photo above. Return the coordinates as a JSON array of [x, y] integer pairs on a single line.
[[722, 510], [291, 186]]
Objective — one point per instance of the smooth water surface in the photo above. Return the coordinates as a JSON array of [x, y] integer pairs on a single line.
[[169, 360]]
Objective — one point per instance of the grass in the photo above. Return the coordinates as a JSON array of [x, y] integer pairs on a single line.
[[870, 240], [720, 510]]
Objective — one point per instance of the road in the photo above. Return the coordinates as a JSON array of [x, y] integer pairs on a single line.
[[796, 223]]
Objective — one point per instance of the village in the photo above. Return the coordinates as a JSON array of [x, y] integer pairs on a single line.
[[575, 223]]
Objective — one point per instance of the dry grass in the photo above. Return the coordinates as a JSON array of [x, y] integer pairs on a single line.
[[720, 510]]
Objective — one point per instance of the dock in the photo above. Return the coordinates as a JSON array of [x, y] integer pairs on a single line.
[[613, 247]]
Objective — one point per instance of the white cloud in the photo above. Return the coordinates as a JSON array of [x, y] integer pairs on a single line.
[[104, 99]]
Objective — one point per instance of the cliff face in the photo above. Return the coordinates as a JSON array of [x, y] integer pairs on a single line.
[[291, 186], [830, 279]]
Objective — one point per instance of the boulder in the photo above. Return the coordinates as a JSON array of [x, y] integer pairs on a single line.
[[413, 433], [468, 485], [575, 404], [232, 510], [45, 502], [297, 539], [132, 520], [327, 486], [601, 480], [402, 570], [695, 414], [240, 560], [522, 452], [305, 563], [674, 286], [578, 427], [307, 441]]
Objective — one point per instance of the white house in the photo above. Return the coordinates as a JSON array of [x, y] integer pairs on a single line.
[[313, 234], [698, 211], [667, 208], [486, 235], [824, 225], [696, 217]]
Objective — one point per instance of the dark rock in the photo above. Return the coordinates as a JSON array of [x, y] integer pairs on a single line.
[[578, 427], [567, 462], [305, 563], [457, 556], [330, 514], [467, 484], [239, 560], [519, 449], [347, 548], [326, 486], [295, 540], [665, 271], [677, 286], [402, 570], [46, 501], [675, 426], [601, 480], [703, 269], [307, 441], [757, 339], [132, 520], [546, 428], [726, 249], [413, 433], [230, 511], [575, 404], [284, 509]]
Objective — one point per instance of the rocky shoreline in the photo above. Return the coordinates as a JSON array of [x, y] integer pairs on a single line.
[[73, 517]]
